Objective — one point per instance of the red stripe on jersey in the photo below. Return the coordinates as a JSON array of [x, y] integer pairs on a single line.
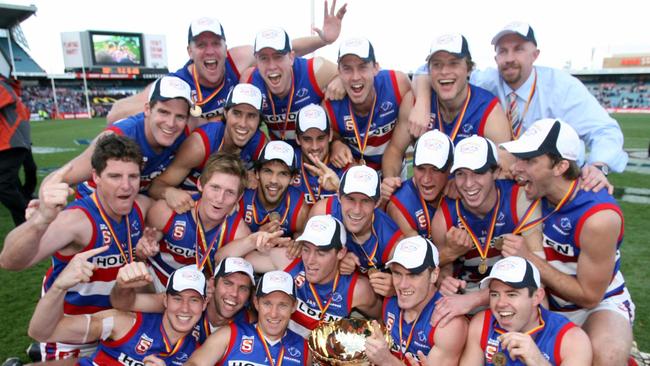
[[312, 78], [250, 77], [404, 211], [486, 114], [128, 335], [101, 358], [593, 210], [235, 226], [232, 64], [558, 342], [71, 309], [206, 146], [115, 129], [91, 242], [304, 320], [486, 328], [292, 265], [391, 243], [552, 255], [446, 214], [514, 193], [329, 201], [398, 93], [294, 218], [353, 284], [168, 225], [260, 146], [331, 116]]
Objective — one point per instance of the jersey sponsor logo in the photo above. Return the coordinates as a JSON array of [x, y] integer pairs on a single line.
[[281, 118], [179, 230], [135, 229], [128, 361], [422, 221], [182, 251], [564, 249], [245, 363], [300, 279], [294, 352], [108, 261], [467, 127], [491, 348], [390, 320], [302, 92], [144, 343], [565, 223], [385, 106], [315, 314], [246, 345], [337, 297], [421, 336]]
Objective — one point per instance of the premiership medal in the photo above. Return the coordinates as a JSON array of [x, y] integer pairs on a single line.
[[459, 121], [274, 216], [373, 270], [362, 161], [498, 243], [361, 145], [196, 111], [499, 359], [483, 267]]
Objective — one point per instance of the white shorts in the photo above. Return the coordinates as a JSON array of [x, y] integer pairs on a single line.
[[620, 304], [59, 351]]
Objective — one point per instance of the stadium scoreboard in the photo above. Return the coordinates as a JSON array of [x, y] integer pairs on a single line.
[[114, 54]]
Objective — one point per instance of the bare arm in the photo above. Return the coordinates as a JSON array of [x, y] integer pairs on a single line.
[[391, 163], [595, 262], [365, 300], [329, 33], [325, 71], [128, 106], [400, 220], [497, 129], [212, 350], [420, 114], [473, 353], [190, 155], [124, 295], [576, 348], [449, 342]]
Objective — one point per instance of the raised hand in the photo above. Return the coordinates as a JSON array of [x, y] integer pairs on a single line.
[[54, 195], [78, 270], [327, 178], [134, 275], [331, 23], [148, 246], [179, 200], [340, 154]]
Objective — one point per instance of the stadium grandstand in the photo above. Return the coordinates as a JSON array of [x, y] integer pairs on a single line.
[[87, 86]]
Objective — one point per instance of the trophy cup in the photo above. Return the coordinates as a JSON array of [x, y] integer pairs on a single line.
[[342, 342]]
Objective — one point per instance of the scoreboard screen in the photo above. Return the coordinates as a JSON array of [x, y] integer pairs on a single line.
[[119, 49]]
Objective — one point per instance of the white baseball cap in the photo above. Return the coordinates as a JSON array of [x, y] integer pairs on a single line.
[[245, 94], [312, 116], [549, 135], [524, 30], [435, 148], [278, 150], [276, 281], [325, 232], [360, 179], [170, 87], [416, 254], [515, 272], [454, 43], [359, 47], [475, 153], [186, 278], [205, 24], [230, 265], [274, 38]]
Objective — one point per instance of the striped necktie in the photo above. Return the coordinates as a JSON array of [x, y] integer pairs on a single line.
[[513, 112]]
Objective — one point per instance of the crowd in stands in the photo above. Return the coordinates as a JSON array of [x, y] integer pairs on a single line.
[[621, 94], [71, 99]]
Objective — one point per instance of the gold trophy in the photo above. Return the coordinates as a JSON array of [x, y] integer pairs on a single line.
[[343, 342]]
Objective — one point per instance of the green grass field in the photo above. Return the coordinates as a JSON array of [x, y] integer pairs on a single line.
[[19, 292]]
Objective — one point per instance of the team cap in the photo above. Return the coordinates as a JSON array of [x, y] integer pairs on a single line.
[[515, 272], [325, 232], [205, 24], [435, 148], [546, 136], [524, 30], [186, 278], [416, 254], [274, 38], [360, 179], [475, 153]]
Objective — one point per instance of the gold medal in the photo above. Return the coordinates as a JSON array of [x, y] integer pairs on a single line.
[[275, 216], [362, 161], [499, 359], [498, 243], [482, 267], [373, 270], [196, 111]]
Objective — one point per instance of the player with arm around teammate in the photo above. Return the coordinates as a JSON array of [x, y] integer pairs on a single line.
[[125, 337], [269, 342], [517, 329]]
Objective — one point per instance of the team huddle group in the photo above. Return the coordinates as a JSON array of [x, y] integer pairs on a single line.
[[196, 238]]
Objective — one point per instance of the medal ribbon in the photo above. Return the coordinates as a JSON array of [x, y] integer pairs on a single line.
[[426, 215], [306, 180], [268, 351], [523, 226], [410, 336], [531, 332], [481, 250], [517, 132], [459, 121], [266, 218], [106, 219], [286, 119], [360, 145], [201, 241], [322, 308], [199, 95], [371, 258], [169, 350]]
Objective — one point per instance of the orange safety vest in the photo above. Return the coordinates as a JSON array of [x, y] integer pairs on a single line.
[[14, 116]]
